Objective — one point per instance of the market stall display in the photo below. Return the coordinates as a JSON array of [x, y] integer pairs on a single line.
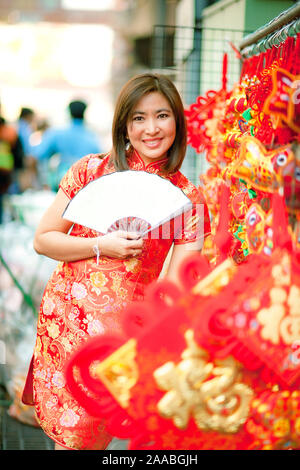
[[23, 276]]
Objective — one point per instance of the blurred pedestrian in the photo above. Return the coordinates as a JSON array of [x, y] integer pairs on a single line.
[[69, 143], [11, 159], [26, 126], [42, 125]]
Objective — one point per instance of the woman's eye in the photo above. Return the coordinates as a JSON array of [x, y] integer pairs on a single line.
[[163, 116], [137, 118]]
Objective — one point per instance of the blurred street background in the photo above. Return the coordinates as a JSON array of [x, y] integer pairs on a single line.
[[52, 53]]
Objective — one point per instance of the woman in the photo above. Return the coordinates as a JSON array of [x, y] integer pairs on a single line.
[[87, 292]]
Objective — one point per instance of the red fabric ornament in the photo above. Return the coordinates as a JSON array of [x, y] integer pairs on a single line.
[[275, 421], [257, 317], [258, 228], [283, 100], [240, 203], [259, 167], [290, 178], [196, 364], [197, 116], [157, 408], [204, 117]]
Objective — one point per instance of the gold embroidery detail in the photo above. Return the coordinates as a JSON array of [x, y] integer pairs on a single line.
[[133, 265], [98, 279], [197, 388], [119, 372]]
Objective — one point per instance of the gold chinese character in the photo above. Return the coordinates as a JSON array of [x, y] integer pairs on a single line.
[[281, 321], [290, 329], [197, 388]]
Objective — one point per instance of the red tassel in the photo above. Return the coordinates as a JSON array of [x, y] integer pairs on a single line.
[[255, 65], [268, 57], [295, 65], [245, 68], [223, 238], [224, 72], [281, 235], [259, 64], [274, 52], [287, 53], [252, 66]]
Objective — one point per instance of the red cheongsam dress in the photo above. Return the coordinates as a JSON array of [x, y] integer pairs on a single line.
[[83, 299]]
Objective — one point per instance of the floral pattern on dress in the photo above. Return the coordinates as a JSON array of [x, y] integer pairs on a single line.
[[83, 299]]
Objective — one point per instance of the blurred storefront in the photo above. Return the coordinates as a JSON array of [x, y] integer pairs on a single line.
[[55, 51]]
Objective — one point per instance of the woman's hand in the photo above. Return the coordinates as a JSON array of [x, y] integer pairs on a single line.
[[52, 238], [120, 244]]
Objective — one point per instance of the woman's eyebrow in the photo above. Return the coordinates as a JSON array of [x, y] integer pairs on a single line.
[[157, 112], [164, 110]]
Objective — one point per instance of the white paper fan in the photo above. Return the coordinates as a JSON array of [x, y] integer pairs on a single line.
[[127, 200]]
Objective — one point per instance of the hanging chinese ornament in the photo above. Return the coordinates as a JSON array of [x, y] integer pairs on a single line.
[[254, 145]]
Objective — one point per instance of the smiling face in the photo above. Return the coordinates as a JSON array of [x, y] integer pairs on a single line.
[[151, 127], [152, 97]]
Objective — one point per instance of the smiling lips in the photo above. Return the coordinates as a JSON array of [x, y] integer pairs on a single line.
[[152, 143]]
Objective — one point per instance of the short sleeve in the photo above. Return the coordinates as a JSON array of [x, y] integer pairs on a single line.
[[75, 178], [194, 225]]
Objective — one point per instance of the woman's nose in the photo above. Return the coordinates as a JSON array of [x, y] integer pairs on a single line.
[[151, 126]]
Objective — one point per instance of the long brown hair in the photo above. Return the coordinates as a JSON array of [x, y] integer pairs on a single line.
[[130, 94]]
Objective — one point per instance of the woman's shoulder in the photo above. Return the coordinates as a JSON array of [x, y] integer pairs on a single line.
[[96, 161], [83, 171], [93, 160], [92, 165], [189, 188]]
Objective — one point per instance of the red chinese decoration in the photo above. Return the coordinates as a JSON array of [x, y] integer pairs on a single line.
[[250, 138], [195, 365]]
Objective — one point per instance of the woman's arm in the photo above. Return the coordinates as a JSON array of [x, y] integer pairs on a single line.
[[179, 254], [52, 239]]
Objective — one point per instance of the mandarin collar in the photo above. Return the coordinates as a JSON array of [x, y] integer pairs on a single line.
[[136, 162]]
